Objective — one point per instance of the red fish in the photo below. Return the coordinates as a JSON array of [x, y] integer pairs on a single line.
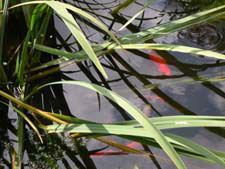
[[111, 152], [160, 63], [133, 145]]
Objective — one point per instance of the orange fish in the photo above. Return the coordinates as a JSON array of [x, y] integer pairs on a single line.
[[160, 63], [111, 152], [108, 152], [133, 144]]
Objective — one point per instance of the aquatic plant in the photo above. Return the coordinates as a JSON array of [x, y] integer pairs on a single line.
[[30, 68]]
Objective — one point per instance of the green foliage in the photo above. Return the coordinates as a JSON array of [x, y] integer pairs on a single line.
[[28, 63]]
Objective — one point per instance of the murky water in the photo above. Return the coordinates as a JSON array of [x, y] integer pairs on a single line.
[[128, 72]]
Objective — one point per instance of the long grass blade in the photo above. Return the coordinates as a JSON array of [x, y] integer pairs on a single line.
[[169, 122], [165, 28], [68, 55], [27, 120], [187, 151], [3, 18], [74, 9], [31, 108], [196, 147], [124, 130], [92, 19], [23, 60], [176, 25], [137, 114], [217, 77], [61, 10], [117, 130], [3, 25], [77, 32], [159, 122], [166, 122], [174, 48], [173, 26]]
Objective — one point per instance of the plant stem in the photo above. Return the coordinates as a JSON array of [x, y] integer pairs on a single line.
[[32, 109]]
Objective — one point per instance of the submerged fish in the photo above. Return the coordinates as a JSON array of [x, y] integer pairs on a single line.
[[108, 152], [133, 144], [112, 152], [160, 63]]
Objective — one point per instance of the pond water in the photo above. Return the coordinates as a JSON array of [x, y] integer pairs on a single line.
[[193, 99], [129, 72]]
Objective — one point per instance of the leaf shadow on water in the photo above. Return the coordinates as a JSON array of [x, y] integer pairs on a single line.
[[52, 98]]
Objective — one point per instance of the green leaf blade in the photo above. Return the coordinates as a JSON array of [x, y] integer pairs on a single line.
[[137, 114], [76, 31]]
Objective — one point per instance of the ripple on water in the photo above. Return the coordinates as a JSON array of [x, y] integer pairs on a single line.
[[208, 36]]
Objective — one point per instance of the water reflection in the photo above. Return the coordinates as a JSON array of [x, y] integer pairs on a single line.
[[129, 71], [207, 36]]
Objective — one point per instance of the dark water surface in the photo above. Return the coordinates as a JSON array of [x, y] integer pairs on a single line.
[[128, 72], [199, 99]]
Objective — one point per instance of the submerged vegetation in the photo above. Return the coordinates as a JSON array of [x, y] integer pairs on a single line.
[[35, 59]]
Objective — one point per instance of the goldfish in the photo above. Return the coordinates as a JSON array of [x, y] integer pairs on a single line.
[[133, 144], [108, 152], [112, 152], [160, 63]]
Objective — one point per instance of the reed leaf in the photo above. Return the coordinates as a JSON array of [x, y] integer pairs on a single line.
[[167, 28], [201, 149], [23, 60], [174, 48], [148, 126], [61, 10], [74, 9], [176, 25], [186, 151], [31, 108], [77, 32], [136, 131], [3, 19], [32, 125], [216, 77]]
